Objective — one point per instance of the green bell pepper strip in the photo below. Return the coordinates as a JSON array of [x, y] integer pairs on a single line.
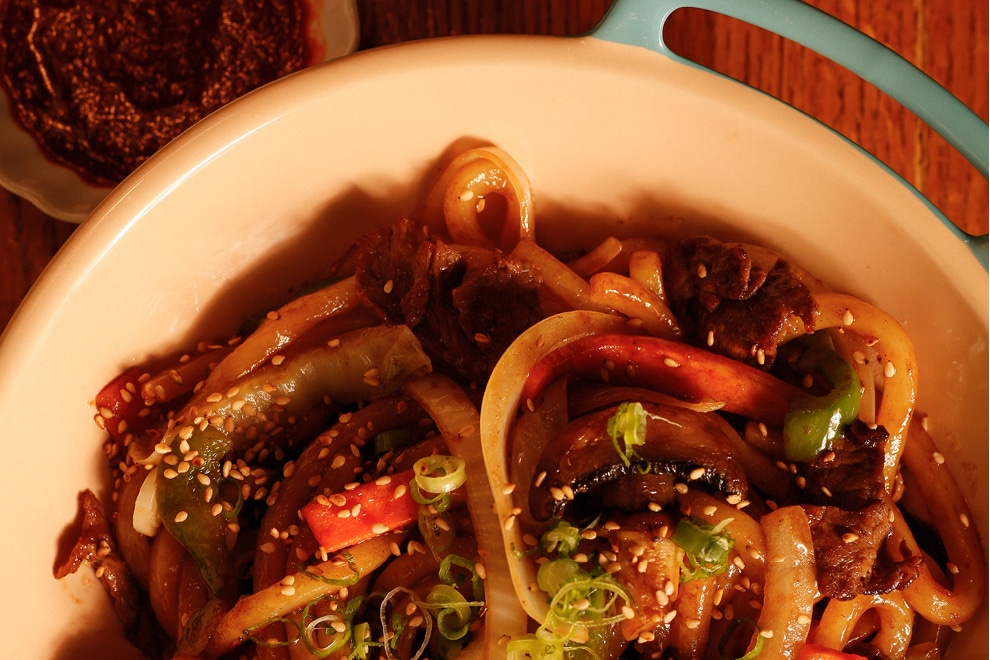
[[365, 364], [812, 422]]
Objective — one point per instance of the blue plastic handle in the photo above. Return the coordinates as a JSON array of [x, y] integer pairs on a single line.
[[641, 23]]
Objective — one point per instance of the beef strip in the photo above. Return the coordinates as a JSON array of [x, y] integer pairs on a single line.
[[849, 552], [851, 475], [97, 547], [465, 305], [850, 520], [720, 294]]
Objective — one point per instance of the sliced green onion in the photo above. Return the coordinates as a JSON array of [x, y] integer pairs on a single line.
[[706, 548], [452, 612], [560, 537], [271, 643], [552, 576], [731, 630], [447, 575], [629, 424], [361, 641], [339, 582], [440, 474]]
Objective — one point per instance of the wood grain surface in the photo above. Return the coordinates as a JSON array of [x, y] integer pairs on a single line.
[[946, 38]]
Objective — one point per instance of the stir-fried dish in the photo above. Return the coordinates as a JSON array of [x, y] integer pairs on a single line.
[[465, 445]]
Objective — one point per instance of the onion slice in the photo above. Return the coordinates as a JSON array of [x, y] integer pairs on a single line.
[[498, 411], [146, 519]]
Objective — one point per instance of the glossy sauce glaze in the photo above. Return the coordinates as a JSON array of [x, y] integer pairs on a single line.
[[103, 86]]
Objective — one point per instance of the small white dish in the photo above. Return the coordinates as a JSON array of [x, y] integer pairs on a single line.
[[56, 189]]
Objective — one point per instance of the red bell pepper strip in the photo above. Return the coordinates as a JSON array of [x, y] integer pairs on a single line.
[[819, 652], [680, 370], [347, 518], [120, 403]]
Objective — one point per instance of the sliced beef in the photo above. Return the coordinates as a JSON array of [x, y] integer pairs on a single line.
[[97, 547], [465, 305], [849, 552], [721, 295], [849, 477]]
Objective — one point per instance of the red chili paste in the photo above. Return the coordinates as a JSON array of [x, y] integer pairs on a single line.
[[104, 85]]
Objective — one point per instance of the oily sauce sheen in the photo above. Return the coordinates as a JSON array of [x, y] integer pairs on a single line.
[[102, 86]]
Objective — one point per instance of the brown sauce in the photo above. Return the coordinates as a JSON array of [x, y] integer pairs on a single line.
[[104, 85]]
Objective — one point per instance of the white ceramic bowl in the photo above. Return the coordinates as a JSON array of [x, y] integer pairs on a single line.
[[228, 216], [60, 192]]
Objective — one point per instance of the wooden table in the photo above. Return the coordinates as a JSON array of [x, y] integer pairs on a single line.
[[946, 38]]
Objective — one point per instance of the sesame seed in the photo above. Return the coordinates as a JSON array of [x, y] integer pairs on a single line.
[[711, 338], [539, 478], [582, 604], [850, 537], [938, 458], [338, 462], [669, 616], [509, 523], [389, 286], [181, 516], [692, 623], [557, 493], [589, 534], [480, 569], [662, 598], [681, 488], [287, 590], [964, 519], [645, 637], [889, 370], [848, 318], [399, 491], [169, 473], [654, 507], [952, 568], [710, 510], [696, 473], [766, 634], [379, 528], [670, 362], [826, 491], [508, 488], [628, 612], [669, 587], [568, 491]]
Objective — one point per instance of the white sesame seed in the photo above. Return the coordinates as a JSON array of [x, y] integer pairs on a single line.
[[889, 370], [379, 528], [848, 318], [181, 516]]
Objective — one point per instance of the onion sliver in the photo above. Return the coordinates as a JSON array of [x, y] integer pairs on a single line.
[[146, 520], [458, 422], [498, 410]]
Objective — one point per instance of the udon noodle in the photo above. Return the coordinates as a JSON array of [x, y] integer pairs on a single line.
[[466, 445]]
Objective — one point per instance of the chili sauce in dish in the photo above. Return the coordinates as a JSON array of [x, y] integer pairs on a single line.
[[102, 86]]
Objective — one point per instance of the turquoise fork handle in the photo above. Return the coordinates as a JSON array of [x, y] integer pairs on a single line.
[[641, 23]]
